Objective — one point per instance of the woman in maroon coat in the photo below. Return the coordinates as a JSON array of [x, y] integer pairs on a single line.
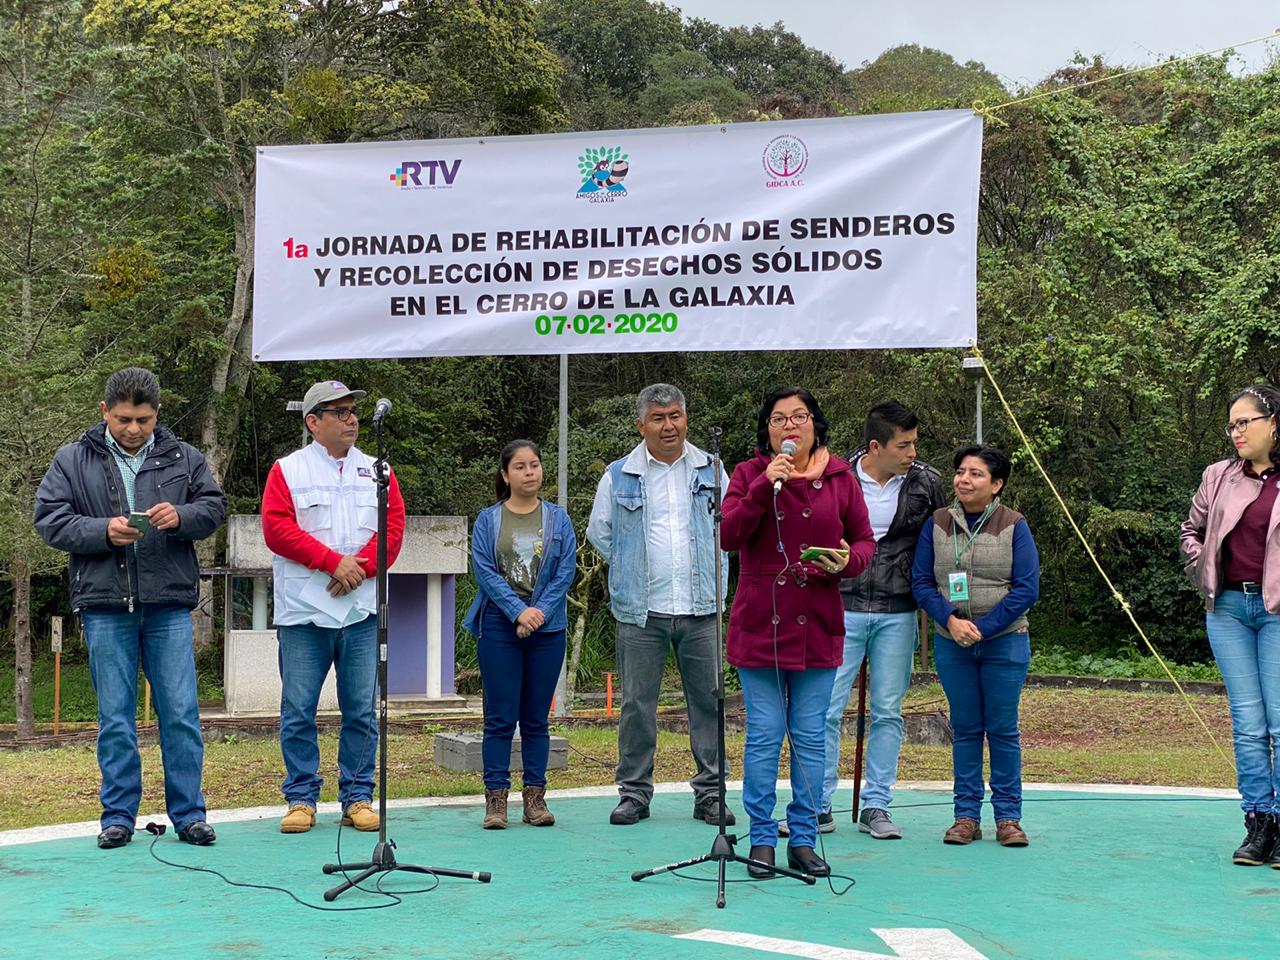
[[786, 630]]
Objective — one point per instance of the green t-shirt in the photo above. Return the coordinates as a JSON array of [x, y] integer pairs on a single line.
[[520, 549]]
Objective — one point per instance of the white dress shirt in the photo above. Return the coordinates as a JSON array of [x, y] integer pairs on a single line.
[[882, 501]]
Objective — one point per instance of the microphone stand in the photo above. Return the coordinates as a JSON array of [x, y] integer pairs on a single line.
[[722, 852], [384, 858]]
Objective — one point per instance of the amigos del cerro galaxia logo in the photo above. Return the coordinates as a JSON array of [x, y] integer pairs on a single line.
[[603, 171]]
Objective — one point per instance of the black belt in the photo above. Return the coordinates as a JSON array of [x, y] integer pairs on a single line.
[[1244, 586]]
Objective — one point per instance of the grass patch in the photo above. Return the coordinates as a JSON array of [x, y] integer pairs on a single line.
[[1069, 736]]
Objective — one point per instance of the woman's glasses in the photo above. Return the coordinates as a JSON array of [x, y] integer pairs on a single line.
[[1232, 428], [798, 419]]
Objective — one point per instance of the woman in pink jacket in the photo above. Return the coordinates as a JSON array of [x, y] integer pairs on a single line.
[[786, 630], [1231, 544]]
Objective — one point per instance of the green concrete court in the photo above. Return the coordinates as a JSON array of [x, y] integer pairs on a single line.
[[1104, 879]]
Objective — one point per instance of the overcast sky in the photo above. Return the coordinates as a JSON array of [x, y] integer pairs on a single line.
[[1021, 42]]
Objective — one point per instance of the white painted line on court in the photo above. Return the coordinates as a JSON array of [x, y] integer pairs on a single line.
[[907, 943]]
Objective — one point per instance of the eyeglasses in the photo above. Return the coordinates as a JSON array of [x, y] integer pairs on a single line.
[[342, 413], [799, 419], [1241, 425]]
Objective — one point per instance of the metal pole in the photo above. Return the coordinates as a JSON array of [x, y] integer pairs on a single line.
[[295, 406], [976, 371], [562, 706], [978, 412], [260, 603]]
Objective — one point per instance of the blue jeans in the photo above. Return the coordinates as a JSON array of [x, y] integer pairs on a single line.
[[306, 654], [797, 709], [160, 636], [983, 684], [888, 641], [1246, 643], [519, 678]]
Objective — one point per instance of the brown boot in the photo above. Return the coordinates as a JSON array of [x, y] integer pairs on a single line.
[[495, 810], [535, 807], [300, 818], [964, 830], [1009, 833], [362, 816]]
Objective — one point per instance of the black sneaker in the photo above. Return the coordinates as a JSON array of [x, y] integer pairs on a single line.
[[198, 833], [628, 811], [1259, 841], [707, 810], [114, 836]]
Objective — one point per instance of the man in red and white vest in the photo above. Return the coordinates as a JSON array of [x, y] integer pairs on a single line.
[[320, 519]]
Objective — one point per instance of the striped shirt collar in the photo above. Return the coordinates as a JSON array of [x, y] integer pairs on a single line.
[[123, 454]]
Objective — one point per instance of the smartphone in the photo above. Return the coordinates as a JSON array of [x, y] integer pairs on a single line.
[[139, 521], [816, 553]]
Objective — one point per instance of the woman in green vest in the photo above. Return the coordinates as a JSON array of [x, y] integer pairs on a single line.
[[976, 574]]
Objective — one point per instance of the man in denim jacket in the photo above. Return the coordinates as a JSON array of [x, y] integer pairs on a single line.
[[652, 522]]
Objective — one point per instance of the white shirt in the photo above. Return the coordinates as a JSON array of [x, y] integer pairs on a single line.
[[668, 533], [882, 501], [668, 537]]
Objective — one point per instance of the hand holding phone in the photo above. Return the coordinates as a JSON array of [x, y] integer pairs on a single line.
[[139, 521], [120, 533], [817, 553]]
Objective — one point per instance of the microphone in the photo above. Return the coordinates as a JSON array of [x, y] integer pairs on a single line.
[[789, 448], [381, 410]]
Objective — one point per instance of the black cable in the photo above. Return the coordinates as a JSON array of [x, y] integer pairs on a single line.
[[394, 899], [797, 572]]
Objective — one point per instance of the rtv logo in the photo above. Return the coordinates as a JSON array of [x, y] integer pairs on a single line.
[[426, 174]]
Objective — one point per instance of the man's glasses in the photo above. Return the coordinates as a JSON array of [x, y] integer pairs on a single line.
[[799, 419], [342, 413], [1241, 425]]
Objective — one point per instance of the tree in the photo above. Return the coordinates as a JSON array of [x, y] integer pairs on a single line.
[[910, 77], [51, 352], [771, 62]]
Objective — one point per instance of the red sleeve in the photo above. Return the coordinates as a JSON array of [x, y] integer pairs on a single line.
[[281, 531], [858, 533], [745, 505], [368, 556]]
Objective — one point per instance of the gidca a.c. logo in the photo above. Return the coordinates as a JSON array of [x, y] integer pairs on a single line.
[[603, 171], [426, 174], [785, 159]]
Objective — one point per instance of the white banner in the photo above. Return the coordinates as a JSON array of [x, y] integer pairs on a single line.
[[818, 234]]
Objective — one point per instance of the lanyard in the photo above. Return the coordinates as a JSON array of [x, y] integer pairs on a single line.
[[959, 551]]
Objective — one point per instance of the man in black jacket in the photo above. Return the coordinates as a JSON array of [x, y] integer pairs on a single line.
[[880, 613], [127, 501]]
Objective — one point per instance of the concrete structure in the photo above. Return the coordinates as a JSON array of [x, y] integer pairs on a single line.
[[461, 751], [420, 612]]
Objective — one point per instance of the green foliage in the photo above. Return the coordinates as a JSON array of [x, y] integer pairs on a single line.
[[911, 77], [1059, 661], [79, 704]]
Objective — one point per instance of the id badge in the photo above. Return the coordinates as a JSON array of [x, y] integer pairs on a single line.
[[959, 584]]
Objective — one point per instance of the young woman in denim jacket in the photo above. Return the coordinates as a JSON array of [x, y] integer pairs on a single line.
[[1231, 545], [524, 555]]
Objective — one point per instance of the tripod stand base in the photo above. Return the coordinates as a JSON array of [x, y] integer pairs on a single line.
[[722, 854], [384, 861]]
